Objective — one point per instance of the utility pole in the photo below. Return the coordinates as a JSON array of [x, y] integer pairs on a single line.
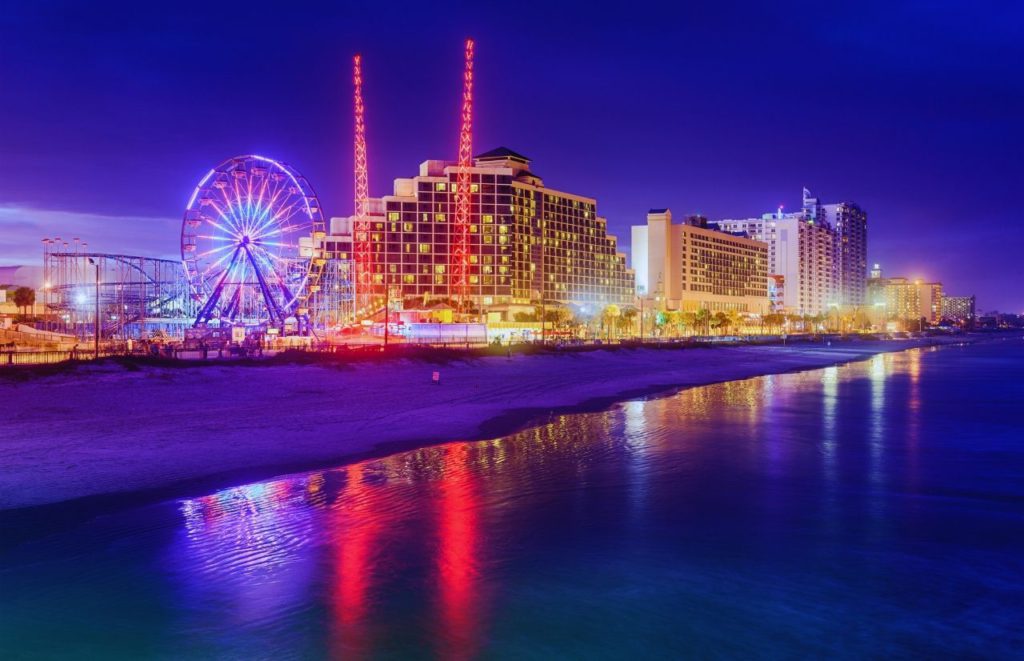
[[96, 339]]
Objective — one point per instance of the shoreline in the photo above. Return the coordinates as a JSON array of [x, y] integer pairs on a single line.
[[99, 487]]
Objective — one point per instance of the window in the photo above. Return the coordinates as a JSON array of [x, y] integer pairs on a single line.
[[441, 186], [393, 215], [424, 248]]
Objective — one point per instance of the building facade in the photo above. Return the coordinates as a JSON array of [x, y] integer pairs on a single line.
[[906, 300], [959, 309], [850, 225], [692, 266], [528, 244], [819, 252]]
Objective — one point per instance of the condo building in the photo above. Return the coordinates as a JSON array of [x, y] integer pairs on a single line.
[[528, 244], [819, 253], [958, 309], [690, 266], [849, 223], [906, 300]]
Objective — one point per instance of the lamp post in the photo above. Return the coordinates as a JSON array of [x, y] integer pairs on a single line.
[[96, 339], [640, 294]]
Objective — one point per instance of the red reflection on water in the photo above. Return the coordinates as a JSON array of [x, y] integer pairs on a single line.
[[457, 555], [355, 528]]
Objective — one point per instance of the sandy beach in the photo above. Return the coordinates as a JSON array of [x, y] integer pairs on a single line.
[[107, 429]]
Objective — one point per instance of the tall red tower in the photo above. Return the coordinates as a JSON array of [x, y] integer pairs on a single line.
[[460, 244], [361, 231]]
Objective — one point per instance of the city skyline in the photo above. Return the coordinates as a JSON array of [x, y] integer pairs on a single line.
[[113, 141]]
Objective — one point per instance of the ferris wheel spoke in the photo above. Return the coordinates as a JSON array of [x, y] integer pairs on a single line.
[[278, 215], [275, 258], [230, 216], [276, 231], [218, 290], [211, 237], [227, 219], [276, 243], [272, 304], [217, 263], [213, 251]]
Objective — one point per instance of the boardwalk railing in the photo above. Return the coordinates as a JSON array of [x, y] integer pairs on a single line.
[[46, 357]]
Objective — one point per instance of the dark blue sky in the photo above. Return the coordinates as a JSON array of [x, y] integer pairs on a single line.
[[111, 112]]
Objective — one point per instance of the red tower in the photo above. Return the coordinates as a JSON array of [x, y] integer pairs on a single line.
[[460, 244], [361, 231]]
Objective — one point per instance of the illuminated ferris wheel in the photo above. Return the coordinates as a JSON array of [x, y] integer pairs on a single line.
[[247, 243]]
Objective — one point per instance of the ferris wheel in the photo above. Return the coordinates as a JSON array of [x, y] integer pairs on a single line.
[[247, 243]]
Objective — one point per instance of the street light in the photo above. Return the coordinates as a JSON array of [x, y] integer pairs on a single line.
[[96, 339], [640, 294]]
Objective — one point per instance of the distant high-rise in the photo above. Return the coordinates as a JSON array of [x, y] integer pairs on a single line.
[[906, 300], [820, 252], [958, 309], [850, 224]]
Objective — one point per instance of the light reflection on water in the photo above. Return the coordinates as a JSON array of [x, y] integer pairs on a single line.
[[725, 518]]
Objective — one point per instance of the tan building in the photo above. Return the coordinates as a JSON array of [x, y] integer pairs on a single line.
[[906, 300], [689, 266]]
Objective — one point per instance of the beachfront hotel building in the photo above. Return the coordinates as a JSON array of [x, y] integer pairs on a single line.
[[818, 252], [528, 243], [906, 300], [959, 309], [690, 266]]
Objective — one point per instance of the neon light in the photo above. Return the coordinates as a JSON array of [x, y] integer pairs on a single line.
[[460, 249], [361, 235]]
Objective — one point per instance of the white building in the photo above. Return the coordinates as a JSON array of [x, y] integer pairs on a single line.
[[822, 263]]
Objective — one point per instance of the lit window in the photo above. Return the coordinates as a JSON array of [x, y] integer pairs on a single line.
[[424, 247], [441, 186], [393, 215]]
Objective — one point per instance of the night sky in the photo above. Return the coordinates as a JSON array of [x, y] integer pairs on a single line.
[[110, 113]]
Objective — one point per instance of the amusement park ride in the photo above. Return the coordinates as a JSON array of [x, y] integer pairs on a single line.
[[249, 245]]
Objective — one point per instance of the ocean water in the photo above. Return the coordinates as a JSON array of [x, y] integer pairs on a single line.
[[872, 509]]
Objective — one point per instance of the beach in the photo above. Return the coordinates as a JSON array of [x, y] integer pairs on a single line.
[[111, 428]]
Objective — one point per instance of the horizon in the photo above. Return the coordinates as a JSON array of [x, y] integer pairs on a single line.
[[110, 129]]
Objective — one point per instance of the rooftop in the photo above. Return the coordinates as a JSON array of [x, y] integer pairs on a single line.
[[502, 153]]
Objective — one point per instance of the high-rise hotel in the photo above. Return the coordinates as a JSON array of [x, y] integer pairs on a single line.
[[528, 243], [690, 266], [818, 254]]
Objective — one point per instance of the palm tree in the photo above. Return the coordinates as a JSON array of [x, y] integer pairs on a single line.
[[629, 316], [24, 297], [734, 320], [703, 319], [672, 320], [687, 320], [608, 317]]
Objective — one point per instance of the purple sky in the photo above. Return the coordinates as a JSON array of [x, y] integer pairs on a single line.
[[110, 113]]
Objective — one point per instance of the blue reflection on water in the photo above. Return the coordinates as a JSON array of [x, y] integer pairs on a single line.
[[867, 509]]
